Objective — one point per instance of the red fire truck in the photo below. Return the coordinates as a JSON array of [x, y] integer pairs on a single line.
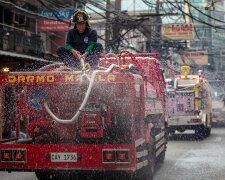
[[110, 120]]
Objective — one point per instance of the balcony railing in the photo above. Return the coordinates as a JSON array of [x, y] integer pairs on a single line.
[[21, 41]]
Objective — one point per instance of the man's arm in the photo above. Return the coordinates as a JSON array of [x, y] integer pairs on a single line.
[[90, 46], [75, 52], [69, 47], [92, 41]]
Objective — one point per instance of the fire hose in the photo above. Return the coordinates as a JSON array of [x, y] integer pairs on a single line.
[[63, 121]]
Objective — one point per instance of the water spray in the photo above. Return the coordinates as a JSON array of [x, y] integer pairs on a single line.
[[75, 117]]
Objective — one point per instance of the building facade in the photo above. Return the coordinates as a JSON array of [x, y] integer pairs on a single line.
[[22, 45]]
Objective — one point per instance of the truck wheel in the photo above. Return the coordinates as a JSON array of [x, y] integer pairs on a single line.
[[172, 132], [161, 157], [151, 157], [208, 131], [44, 175], [200, 132], [146, 173], [130, 176], [150, 171]]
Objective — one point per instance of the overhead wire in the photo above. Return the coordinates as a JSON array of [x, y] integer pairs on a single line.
[[114, 14], [191, 16], [192, 61], [14, 6], [164, 45], [159, 44], [204, 13], [195, 18], [190, 12], [55, 4]]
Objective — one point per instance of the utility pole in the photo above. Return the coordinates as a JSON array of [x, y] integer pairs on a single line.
[[80, 5], [154, 41], [107, 26], [116, 30], [158, 22]]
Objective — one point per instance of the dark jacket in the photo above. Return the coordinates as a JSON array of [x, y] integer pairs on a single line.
[[80, 41]]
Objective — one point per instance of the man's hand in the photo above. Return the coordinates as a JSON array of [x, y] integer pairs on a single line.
[[76, 53], [83, 56]]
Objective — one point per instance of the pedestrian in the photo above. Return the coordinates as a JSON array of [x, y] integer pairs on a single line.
[[81, 43]]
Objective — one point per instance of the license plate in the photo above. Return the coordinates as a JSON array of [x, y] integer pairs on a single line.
[[63, 157]]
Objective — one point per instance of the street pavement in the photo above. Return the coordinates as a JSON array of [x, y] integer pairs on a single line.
[[187, 158]]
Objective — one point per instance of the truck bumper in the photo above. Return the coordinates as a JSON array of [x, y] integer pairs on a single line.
[[184, 121], [89, 157]]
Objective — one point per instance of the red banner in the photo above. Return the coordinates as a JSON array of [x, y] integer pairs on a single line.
[[52, 25]]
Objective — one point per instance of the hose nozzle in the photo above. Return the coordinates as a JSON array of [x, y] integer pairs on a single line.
[[84, 76]]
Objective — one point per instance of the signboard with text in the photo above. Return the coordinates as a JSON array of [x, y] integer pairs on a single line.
[[194, 58], [178, 31], [46, 25]]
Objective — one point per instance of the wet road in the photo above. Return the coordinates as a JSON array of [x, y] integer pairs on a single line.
[[191, 159], [187, 158]]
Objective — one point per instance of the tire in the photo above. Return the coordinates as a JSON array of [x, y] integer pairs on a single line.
[[172, 132], [208, 132], [207, 129], [44, 175], [152, 163], [146, 173], [131, 177], [151, 167], [151, 157], [161, 157], [200, 132]]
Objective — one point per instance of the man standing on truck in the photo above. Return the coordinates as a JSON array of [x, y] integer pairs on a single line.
[[81, 43]]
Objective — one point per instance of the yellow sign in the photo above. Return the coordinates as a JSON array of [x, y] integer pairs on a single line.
[[194, 58], [178, 31], [185, 70]]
